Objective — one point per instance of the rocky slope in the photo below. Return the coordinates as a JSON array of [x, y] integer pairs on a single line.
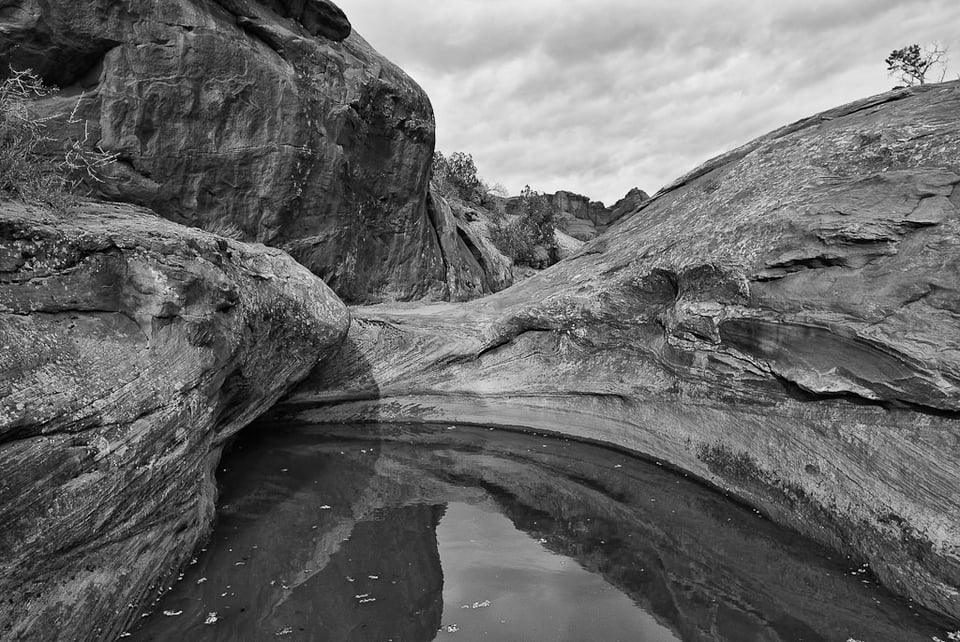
[[267, 116], [783, 322], [130, 349]]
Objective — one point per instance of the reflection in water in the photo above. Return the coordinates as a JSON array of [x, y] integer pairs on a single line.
[[420, 533]]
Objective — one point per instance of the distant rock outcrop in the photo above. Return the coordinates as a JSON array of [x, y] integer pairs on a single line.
[[783, 322], [268, 115], [131, 348], [629, 204], [583, 219]]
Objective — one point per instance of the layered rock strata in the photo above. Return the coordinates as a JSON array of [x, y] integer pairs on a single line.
[[473, 265], [783, 322], [272, 120], [130, 349]]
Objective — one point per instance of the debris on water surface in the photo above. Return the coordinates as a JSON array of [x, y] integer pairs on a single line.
[[172, 613], [477, 605], [212, 617]]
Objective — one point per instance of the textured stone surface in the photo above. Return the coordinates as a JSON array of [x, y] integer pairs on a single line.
[[265, 116], [783, 322], [629, 204], [474, 267], [130, 349]]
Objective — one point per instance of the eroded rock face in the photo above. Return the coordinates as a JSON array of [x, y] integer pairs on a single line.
[[132, 347], [271, 117], [783, 322], [629, 204], [474, 267]]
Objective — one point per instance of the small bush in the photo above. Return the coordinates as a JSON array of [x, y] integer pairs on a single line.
[[456, 176], [27, 170], [224, 228], [530, 233]]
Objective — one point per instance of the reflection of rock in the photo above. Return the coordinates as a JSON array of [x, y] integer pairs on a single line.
[[706, 568], [701, 565], [263, 115], [302, 532], [131, 348], [781, 322]]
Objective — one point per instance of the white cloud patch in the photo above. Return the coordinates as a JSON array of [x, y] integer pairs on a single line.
[[598, 96]]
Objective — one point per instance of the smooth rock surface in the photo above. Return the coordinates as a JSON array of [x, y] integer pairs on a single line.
[[783, 322], [272, 118], [130, 349]]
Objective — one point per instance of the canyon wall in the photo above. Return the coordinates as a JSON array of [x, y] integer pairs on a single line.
[[272, 121], [783, 322], [131, 348]]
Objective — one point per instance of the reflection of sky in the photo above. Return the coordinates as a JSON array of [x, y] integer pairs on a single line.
[[534, 594]]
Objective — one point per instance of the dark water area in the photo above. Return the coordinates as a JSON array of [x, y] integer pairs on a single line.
[[463, 533]]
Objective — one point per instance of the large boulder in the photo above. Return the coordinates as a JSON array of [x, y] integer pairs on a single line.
[[782, 322], [131, 348], [270, 118]]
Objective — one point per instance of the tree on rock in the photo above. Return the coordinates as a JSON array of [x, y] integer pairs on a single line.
[[456, 176], [911, 64]]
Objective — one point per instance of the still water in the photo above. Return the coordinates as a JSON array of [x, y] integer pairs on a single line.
[[462, 533]]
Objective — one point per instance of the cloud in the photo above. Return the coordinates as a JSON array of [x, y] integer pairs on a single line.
[[599, 96]]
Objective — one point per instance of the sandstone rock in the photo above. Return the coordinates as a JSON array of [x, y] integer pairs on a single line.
[[628, 204], [130, 349], [581, 218], [472, 265], [265, 115], [783, 322]]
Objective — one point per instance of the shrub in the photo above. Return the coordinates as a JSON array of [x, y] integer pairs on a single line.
[[911, 65], [27, 170], [456, 177], [532, 227]]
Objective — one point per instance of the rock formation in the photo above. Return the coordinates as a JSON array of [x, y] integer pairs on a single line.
[[474, 267], [583, 219], [269, 116], [783, 322], [130, 349], [629, 204]]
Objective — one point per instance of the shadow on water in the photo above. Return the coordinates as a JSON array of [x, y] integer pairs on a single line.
[[347, 532]]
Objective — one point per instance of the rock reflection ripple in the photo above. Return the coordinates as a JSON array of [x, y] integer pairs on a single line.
[[331, 533]]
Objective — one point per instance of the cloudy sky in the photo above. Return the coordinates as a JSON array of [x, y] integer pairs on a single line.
[[598, 96]]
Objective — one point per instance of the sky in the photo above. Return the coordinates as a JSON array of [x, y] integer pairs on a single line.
[[599, 96]]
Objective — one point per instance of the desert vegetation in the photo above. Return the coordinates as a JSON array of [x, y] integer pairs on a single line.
[[521, 228], [29, 171], [911, 64]]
